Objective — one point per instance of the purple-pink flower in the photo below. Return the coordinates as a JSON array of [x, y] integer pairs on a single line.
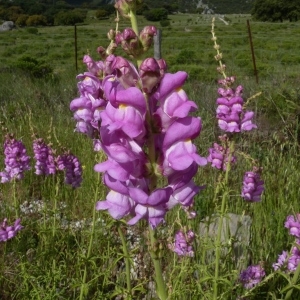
[[183, 243], [253, 186], [230, 112], [8, 232], [44, 158], [293, 224], [72, 167], [219, 155], [252, 276], [16, 160], [132, 110]]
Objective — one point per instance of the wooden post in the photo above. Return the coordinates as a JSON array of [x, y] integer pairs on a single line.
[[252, 51], [157, 44], [75, 47]]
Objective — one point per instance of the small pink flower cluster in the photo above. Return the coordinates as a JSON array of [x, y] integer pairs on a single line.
[[290, 261]]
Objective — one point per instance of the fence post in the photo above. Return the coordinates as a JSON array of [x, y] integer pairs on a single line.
[[75, 47], [157, 44], [252, 51]]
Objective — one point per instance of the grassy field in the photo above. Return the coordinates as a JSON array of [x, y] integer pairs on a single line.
[[48, 257]]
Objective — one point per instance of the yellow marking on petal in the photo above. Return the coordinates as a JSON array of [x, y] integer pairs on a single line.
[[178, 89], [188, 141], [86, 78], [122, 106], [112, 79]]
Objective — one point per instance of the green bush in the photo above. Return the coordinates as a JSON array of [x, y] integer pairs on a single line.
[[36, 20], [101, 14], [156, 14], [186, 56], [69, 17], [164, 23], [32, 30], [33, 67]]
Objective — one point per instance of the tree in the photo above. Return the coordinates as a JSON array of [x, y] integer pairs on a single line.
[[69, 17], [276, 10], [21, 21], [101, 14], [36, 20], [156, 14]]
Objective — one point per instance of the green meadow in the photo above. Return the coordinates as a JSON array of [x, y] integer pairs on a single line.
[[51, 255]]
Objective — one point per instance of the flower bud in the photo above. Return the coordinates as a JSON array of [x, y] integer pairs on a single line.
[[146, 36], [124, 7], [150, 74]]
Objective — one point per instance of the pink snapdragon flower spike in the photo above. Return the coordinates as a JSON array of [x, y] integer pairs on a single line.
[[44, 158], [230, 112], [73, 170], [252, 276], [8, 232], [16, 160], [253, 186], [183, 243], [281, 262], [132, 110], [293, 224]]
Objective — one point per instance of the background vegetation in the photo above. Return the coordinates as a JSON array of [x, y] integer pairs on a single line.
[[37, 83]]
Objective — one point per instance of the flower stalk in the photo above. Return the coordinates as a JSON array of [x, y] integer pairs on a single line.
[[221, 217], [127, 261]]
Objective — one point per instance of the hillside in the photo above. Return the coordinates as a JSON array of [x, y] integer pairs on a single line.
[[218, 6], [229, 6]]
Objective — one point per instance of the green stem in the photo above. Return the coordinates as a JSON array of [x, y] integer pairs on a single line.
[[84, 288], [54, 230], [134, 26], [220, 225], [15, 199], [127, 261], [161, 289], [294, 281]]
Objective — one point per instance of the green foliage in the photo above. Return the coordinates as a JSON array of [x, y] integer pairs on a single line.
[[32, 30], [69, 17], [101, 13], [21, 21], [156, 14], [33, 67], [164, 23], [36, 20], [276, 10]]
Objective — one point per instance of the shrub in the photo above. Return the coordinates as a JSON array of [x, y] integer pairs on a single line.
[[156, 14], [33, 67], [186, 57], [21, 21], [101, 13], [32, 30], [164, 23], [68, 17], [36, 20]]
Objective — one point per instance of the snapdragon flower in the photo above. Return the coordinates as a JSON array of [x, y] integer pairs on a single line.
[[252, 276], [253, 186], [293, 224], [8, 232], [219, 154], [143, 108], [183, 243], [73, 170], [44, 157], [16, 160], [230, 111]]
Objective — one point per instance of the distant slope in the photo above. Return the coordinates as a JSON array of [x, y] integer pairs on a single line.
[[230, 6], [218, 6]]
